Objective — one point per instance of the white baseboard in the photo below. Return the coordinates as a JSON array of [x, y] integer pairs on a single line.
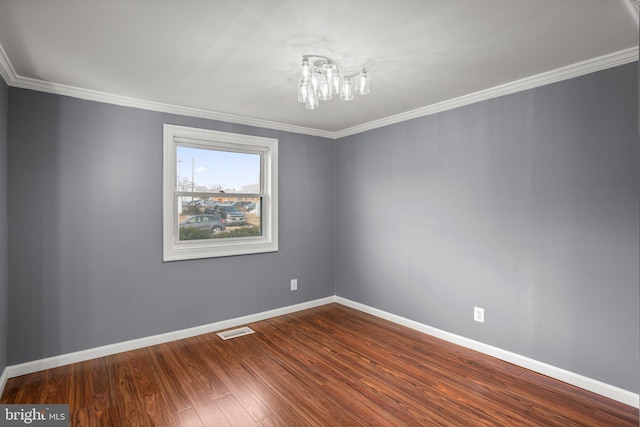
[[595, 386], [83, 355], [3, 380]]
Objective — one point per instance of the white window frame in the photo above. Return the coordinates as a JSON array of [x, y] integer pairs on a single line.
[[173, 248]]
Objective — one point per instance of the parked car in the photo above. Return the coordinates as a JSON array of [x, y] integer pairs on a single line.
[[209, 203], [215, 224], [231, 215], [242, 206]]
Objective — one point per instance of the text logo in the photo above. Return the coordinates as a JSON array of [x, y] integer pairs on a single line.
[[36, 415]]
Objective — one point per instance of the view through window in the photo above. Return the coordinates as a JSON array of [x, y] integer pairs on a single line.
[[220, 193]]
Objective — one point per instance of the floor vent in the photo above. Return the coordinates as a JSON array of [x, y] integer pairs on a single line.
[[234, 333]]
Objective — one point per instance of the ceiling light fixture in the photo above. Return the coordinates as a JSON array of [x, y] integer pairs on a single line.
[[320, 78]]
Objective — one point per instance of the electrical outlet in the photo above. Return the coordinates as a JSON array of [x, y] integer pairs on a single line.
[[294, 284], [478, 314]]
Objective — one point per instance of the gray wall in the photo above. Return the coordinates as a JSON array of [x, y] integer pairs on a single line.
[[525, 205], [85, 258], [4, 284]]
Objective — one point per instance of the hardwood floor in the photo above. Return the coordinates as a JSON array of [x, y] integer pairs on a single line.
[[327, 366]]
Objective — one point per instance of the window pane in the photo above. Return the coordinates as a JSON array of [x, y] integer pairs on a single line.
[[220, 194], [204, 170], [219, 218]]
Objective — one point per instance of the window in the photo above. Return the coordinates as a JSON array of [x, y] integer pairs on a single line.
[[220, 194]]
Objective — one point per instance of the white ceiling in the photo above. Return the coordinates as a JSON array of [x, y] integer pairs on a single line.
[[237, 60]]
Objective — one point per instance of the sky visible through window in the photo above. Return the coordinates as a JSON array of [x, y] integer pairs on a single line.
[[218, 169]]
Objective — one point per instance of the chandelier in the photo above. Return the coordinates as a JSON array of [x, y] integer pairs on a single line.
[[320, 78]]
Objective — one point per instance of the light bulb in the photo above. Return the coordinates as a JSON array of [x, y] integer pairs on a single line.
[[305, 70], [312, 101], [303, 91], [363, 83], [324, 91], [335, 83], [316, 78], [331, 73], [346, 90]]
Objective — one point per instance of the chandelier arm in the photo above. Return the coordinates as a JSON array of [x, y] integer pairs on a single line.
[[334, 62], [357, 73], [322, 58]]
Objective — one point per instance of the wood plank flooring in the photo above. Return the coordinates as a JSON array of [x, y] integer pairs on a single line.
[[327, 366]]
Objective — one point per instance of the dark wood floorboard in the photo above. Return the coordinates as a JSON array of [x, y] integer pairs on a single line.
[[327, 366]]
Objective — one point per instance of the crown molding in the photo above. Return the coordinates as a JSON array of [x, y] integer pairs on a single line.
[[575, 70], [15, 80], [6, 69], [632, 8]]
